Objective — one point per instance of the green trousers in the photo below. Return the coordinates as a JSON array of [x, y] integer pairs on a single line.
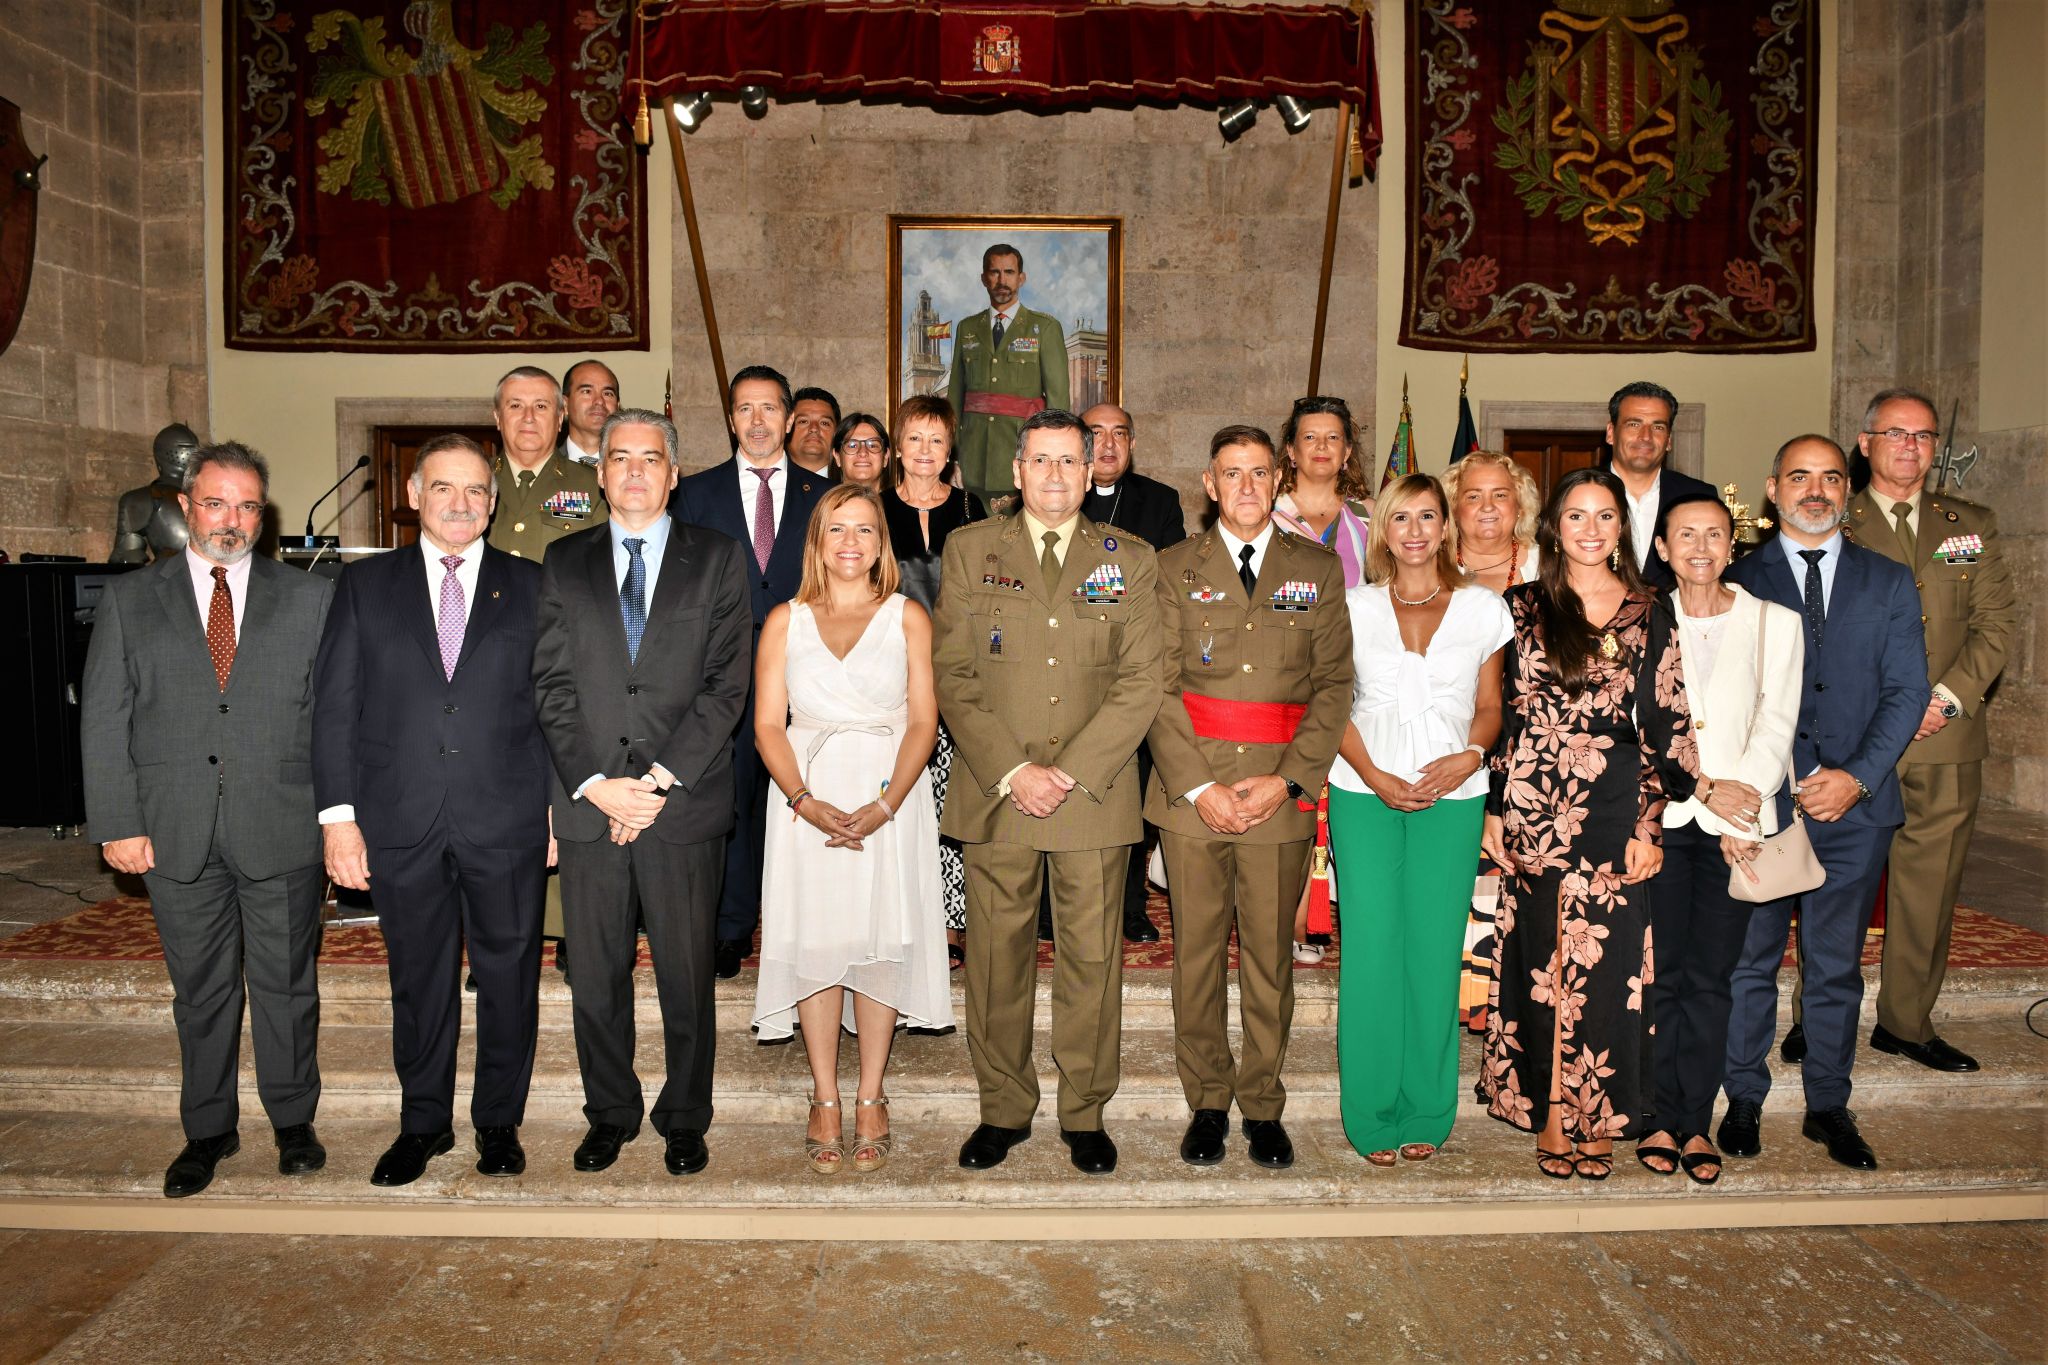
[[1406, 880]]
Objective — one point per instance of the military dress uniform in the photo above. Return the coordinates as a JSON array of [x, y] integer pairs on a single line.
[[994, 388], [1256, 683], [1066, 676], [1966, 597]]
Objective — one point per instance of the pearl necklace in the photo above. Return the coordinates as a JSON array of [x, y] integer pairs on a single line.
[[1406, 603]]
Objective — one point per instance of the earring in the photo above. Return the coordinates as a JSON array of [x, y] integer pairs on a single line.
[[1614, 559]]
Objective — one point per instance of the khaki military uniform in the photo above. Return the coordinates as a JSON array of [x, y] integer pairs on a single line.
[[1068, 679], [1289, 642], [1967, 601], [525, 524], [1030, 364]]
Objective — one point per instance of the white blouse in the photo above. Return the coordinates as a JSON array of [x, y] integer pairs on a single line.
[[1411, 708]]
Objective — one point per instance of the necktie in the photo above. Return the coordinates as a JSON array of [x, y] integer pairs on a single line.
[[633, 598], [1900, 513], [526, 478], [1244, 570], [1816, 605], [764, 520], [220, 628], [997, 341], [1049, 562], [451, 615]]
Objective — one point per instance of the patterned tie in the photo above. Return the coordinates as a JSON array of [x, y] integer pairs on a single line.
[[451, 615], [1049, 562], [1901, 512], [633, 598], [997, 344], [1244, 571], [764, 519], [220, 628], [1816, 605]]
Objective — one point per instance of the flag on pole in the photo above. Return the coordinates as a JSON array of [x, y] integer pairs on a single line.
[[1401, 459], [1467, 438]]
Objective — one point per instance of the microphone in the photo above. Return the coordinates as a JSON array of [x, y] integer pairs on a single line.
[[310, 543], [362, 462]]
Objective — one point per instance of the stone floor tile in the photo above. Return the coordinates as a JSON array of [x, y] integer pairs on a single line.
[[1342, 1301], [723, 1301], [1993, 1276], [507, 1300], [1525, 1299], [56, 1281]]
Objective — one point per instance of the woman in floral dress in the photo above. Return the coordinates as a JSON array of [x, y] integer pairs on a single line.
[[1596, 737]]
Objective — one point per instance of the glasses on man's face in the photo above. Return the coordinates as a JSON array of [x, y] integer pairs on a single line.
[[214, 507], [862, 447], [1065, 464], [1898, 436]]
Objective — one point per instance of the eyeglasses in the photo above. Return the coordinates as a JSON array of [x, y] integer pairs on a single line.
[[213, 507], [1065, 464], [863, 447], [1898, 436]]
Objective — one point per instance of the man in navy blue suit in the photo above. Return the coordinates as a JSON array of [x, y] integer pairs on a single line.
[[1862, 696], [432, 781], [762, 499]]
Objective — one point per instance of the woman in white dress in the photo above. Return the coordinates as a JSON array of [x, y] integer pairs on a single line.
[[852, 927]]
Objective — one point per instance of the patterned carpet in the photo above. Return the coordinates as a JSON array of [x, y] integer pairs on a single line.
[[120, 930]]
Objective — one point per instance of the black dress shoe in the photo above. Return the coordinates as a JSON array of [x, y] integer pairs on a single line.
[[731, 952], [1138, 927], [1203, 1144], [1837, 1128], [298, 1150], [469, 984], [1090, 1150], [987, 1145], [193, 1169], [1934, 1053], [1793, 1049], [499, 1152], [686, 1153], [1269, 1143], [1045, 928], [600, 1146], [562, 957], [1740, 1133], [405, 1160]]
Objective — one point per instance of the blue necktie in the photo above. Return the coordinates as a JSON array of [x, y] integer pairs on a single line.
[[633, 598], [1816, 608]]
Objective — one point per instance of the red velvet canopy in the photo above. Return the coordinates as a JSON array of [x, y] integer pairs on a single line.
[[1058, 54]]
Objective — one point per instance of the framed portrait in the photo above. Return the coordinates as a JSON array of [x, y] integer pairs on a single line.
[[1072, 274]]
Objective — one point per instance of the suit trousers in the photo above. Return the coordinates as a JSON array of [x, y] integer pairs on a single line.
[[431, 899], [1003, 882], [1832, 921], [739, 901], [1697, 931], [1920, 900], [1217, 885], [677, 885], [217, 929]]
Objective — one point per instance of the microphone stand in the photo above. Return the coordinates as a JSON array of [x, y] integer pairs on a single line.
[[310, 543]]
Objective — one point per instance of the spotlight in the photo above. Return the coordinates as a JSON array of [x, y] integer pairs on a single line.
[[754, 100], [691, 111], [1294, 115], [1235, 120]]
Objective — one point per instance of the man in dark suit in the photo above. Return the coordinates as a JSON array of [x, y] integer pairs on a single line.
[[1639, 421], [814, 416], [763, 500], [197, 745], [433, 787], [641, 668], [1862, 696]]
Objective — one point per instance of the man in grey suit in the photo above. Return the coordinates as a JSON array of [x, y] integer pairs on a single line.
[[198, 749], [641, 669]]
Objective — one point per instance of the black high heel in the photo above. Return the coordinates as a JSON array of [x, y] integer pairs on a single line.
[[1691, 1162], [1542, 1156]]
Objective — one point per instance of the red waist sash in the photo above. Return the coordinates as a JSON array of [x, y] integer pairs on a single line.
[[1002, 404], [1272, 722]]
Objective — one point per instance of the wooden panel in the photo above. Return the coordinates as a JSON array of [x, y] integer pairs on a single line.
[[395, 450], [1550, 455]]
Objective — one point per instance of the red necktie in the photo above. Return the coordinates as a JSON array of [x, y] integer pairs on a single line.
[[220, 628]]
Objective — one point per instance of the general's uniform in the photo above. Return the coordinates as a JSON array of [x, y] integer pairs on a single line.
[[994, 388], [1968, 612], [1067, 677], [1256, 683]]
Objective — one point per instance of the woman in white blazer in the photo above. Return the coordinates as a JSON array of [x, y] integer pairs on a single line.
[[1742, 659]]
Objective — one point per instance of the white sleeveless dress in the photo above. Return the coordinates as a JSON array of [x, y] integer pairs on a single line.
[[872, 921]]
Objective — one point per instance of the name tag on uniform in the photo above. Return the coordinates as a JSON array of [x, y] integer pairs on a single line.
[[1024, 344], [568, 505], [1294, 595]]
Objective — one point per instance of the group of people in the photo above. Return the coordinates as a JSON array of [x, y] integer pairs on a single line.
[[966, 708]]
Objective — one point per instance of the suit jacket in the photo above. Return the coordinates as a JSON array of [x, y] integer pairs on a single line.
[[1259, 649], [398, 739], [1862, 693], [1673, 488], [1031, 363], [1145, 507], [1966, 603], [164, 747], [711, 499], [678, 704], [1744, 731], [1063, 679]]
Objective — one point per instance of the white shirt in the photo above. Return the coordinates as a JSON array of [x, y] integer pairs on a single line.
[[1642, 518], [1795, 563], [750, 489], [201, 569], [1412, 709], [656, 536], [1890, 507], [1235, 547], [576, 452], [998, 317]]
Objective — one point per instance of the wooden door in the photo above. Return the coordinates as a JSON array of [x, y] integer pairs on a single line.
[[1550, 455], [396, 452]]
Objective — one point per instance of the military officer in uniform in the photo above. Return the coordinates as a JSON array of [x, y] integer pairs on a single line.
[[1256, 656], [1046, 657], [1966, 593], [1008, 363]]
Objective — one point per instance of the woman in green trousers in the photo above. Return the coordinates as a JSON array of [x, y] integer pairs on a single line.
[[1407, 800]]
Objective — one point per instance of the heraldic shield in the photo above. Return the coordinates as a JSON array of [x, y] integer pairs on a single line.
[[998, 51]]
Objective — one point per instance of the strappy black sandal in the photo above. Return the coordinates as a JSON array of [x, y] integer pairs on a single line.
[[1602, 1165], [1692, 1161], [1563, 1158]]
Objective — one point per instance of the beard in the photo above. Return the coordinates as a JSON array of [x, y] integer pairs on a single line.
[[226, 548], [1817, 523]]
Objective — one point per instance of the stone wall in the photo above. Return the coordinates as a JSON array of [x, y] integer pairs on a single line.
[[112, 345]]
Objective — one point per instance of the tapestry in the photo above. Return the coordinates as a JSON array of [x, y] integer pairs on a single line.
[[426, 175], [1610, 175]]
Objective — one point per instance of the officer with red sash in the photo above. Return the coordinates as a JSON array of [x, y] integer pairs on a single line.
[[1257, 661]]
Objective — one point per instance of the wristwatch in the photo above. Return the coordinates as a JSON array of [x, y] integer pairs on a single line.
[[1949, 709], [1862, 792], [1295, 789]]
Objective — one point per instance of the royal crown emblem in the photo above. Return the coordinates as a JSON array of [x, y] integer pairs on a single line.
[[1611, 121], [998, 50]]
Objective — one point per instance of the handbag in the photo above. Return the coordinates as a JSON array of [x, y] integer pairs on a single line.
[[1785, 865]]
